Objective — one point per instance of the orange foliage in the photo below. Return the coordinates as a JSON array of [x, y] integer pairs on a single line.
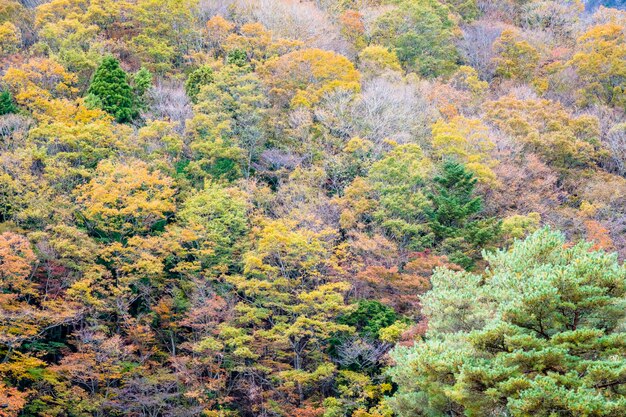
[[12, 401], [401, 288], [599, 235]]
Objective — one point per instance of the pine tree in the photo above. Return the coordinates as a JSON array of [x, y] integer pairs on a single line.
[[454, 216], [110, 89], [7, 105], [540, 333]]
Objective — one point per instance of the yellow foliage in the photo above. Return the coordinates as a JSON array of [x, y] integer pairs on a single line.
[[43, 86], [599, 61], [10, 38], [125, 198], [301, 78], [258, 42], [375, 60], [548, 128], [518, 226], [515, 58], [468, 141]]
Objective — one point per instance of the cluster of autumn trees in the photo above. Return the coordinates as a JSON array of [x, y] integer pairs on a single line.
[[339, 208]]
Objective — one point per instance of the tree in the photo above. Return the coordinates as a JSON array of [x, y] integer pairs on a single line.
[[217, 216], [287, 304], [142, 81], [303, 77], [514, 58], [258, 43], [26, 309], [196, 80], [369, 318], [467, 9], [548, 128], [124, 199], [467, 141], [398, 184], [421, 33], [110, 91], [10, 38], [454, 216], [7, 105], [600, 53], [166, 31], [537, 334], [353, 28], [236, 102], [374, 60], [43, 86]]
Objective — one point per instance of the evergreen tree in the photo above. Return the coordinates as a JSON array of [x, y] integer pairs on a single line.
[[540, 333], [454, 215], [6, 103], [111, 91]]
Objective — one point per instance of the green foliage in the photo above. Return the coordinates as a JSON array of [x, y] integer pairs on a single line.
[[237, 57], [421, 33], [369, 317], [142, 81], [454, 216], [259, 239], [538, 334], [399, 181], [111, 90], [7, 105], [219, 217], [515, 58], [196, 80], [467, 9]]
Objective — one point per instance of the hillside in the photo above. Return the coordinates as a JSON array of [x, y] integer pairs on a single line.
[[329, 208]]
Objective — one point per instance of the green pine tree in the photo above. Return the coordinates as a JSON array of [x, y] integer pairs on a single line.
[[7, 105], [540, 333], [454, 216], [110, 89]]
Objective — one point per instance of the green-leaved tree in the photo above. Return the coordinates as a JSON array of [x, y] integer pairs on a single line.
[[111, 91], [454, 217], [540, 333], [7, 105]]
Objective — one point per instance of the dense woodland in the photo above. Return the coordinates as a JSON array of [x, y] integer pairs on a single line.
[[330, 208]]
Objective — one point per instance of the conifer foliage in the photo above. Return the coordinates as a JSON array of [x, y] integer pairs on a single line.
[[540, 331], [330, 208], [7, 105], [111, 91], [455, 215]]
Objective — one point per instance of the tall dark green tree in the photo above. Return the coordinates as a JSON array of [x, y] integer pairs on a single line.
[[7, 105], [454, 216], [111, 91]]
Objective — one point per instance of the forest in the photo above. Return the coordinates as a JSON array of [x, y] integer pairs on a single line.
[[312, 208]]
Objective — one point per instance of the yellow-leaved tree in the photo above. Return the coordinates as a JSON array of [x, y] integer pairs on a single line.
[[301, 78], [125, 198]]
